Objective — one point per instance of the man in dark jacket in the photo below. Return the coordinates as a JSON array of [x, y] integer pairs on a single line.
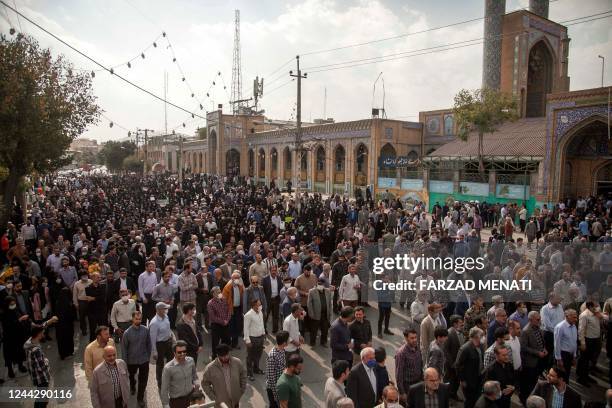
[[340, 337], [361, 382], [451, 349], [205, 284], [555, 379], [533, 350], [469, 366], [124, 282], [97, 314], [502, 372], [272, 285], [188, 330], [431, 387]]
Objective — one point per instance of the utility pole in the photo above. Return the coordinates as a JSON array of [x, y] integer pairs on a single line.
[[146, 140], [603, 63], [298, 130]]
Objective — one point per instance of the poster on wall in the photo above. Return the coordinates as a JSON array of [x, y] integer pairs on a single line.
[[386, 182], [440, 186], [517, 191], [412, 184], [477, 189]]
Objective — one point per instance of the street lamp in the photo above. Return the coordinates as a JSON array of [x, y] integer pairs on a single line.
[[603, 63]]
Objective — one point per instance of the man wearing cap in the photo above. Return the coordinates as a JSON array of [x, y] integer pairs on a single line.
[[319, 310], [161, 339]]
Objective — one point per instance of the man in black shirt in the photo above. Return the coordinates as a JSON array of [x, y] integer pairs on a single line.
[[502, 372], [361, 331], [97, 314]]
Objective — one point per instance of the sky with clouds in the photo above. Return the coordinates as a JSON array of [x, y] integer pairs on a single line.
[[273, 32]]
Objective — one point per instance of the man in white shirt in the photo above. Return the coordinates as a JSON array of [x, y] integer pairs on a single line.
[[514, 328], [121, 313], [292, 325], [349, 287], [254, 336], [295, 266]]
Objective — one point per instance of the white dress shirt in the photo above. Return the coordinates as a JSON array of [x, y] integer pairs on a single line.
[[253, 325], [347, 287], [515, 345], [273, 287], [371, 376], [292, 326]]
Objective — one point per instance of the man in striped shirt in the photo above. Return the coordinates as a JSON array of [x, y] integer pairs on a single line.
[[219, 316], [275, 367]]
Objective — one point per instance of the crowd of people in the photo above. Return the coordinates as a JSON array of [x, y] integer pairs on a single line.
[[149, 269]]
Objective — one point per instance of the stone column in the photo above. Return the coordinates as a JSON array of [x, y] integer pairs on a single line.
[[268, 172], [456, 177], [492, 182], [329, 168]]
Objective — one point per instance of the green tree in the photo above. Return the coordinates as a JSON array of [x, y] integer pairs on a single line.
[[114, 153], [44, 106], [482, 111], [132, 163]]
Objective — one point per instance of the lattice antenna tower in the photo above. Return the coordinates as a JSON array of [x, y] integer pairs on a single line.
[[236, 69]]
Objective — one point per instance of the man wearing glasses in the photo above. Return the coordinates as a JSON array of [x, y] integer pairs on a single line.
[[179, 378]]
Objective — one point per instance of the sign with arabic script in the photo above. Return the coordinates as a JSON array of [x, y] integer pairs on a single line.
[[397, 162]]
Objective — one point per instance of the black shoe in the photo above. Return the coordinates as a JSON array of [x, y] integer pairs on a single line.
[[11, 373], [1, 381], [251, 378], [22, 369], [258, 371], [387, 331]]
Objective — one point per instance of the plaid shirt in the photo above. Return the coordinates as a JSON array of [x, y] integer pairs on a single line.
[[489, 357], [37, 365], [218, 311], [275, 367], [408, 367], [431, 400], [114, 375], [188, 285]]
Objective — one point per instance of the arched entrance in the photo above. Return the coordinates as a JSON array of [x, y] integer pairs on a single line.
[[320, 173], [232, 163], [539, 79], [274, 163], [603, 180], [261, 169], [339, 164], [251, 163], [587, 165], [212, 151], [304, 167], [287, 161], [361, 168], [387, 152]]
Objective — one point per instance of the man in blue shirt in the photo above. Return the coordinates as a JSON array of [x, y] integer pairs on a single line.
[[566, 342], [161, 339]]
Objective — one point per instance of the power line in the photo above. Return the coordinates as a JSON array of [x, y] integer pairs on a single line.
[[438, 48], [343, 47], [96, 62], [280, 86]]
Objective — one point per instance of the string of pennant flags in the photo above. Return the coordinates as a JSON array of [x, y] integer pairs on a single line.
[[141, 55]]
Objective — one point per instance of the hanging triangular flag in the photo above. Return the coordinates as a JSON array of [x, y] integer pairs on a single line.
[[142, 55], [183, 79], [183, 125], [173, 59], [201, 107], [93, 74], [192, 95], [155, 44], [112, 71], [111, 124], [163, 33], [129, 65], [12, 31]]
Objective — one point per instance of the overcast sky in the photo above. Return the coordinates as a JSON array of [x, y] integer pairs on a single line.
[[272, 33]]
